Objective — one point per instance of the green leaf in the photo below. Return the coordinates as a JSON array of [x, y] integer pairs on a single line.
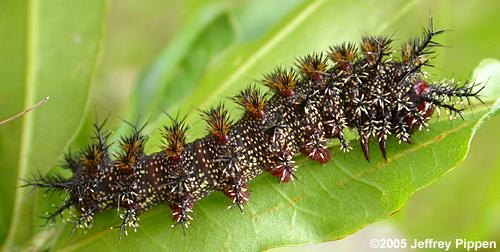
[[51, 50], [470, 193], [158, 84], [209, 30], [326, 202], [488, 72], [253, 18], [464, 203]]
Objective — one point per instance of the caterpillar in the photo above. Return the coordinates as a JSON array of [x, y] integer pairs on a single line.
[[362, 87]]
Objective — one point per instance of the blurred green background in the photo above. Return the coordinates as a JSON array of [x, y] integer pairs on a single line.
[[174, 43]]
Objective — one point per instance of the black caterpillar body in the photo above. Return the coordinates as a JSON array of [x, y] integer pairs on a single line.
[[361, 88]]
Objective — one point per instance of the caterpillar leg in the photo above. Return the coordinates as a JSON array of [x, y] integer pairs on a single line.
[[238, 192], [282, 165], [334, 120], [315, 146], [333, 129], [181, 212], [130, 220], [382, 143], [51, 217], [364, 140], [85, 220], [285, 167], [235, 187]]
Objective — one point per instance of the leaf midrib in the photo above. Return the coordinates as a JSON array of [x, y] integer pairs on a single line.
[[27, 120], [308, 10], [27, 128]]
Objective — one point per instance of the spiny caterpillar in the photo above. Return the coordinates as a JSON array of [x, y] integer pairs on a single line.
[[359, 87]]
